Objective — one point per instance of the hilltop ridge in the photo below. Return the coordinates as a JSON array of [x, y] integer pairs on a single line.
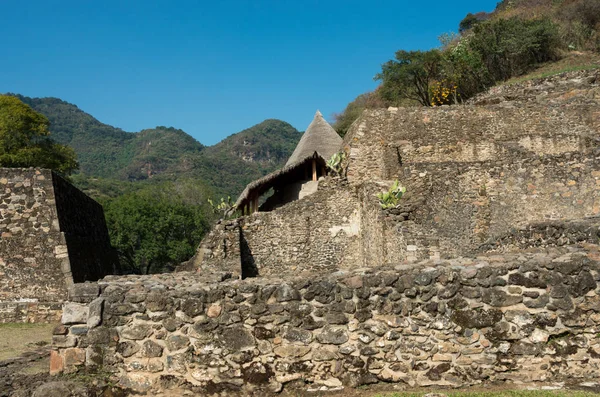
[[165, 152]]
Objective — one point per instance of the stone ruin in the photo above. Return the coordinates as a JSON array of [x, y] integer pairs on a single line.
[[487, 271], [51, 236]]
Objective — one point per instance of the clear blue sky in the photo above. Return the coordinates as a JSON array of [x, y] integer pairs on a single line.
[[211, 68]]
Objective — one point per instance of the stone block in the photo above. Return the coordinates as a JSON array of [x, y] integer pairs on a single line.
[[95, 313], [56, 363], [74, 313]]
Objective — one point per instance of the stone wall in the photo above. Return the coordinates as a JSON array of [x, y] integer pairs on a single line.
[[475, 173], [39, 250], [525, 317], [316, 234]]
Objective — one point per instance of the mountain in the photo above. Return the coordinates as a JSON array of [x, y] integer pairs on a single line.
[[162, 153]]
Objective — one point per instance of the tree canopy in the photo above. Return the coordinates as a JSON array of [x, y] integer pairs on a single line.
[[25, 142], [159, 226]]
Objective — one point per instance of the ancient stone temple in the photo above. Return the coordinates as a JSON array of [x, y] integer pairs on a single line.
[[487, 270], [52, 235], [299, 177]]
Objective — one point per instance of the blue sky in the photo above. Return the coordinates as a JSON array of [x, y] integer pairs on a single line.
[[211, 68]]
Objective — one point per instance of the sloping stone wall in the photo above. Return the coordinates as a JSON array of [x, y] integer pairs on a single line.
[[525, 317], [49, 233]]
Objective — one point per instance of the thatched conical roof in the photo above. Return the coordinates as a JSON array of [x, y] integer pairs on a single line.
[[319, 137], [319, 140]]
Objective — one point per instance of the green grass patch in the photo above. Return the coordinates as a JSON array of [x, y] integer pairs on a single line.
[[570, 63], [506, 393]]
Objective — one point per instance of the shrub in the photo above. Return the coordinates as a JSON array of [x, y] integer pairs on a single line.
[[510, 47]]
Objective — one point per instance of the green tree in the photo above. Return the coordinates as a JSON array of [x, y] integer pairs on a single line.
[[354, 109], [156, 228], [410, 75], [511, 47], [24, 140]]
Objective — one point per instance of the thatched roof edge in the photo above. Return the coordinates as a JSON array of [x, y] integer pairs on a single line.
[[269, 177]]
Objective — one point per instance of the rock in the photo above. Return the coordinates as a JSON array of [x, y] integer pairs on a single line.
[[214, 311], [293, 334], [151, 349], [64, 341], [333, 336], [95, 312], [172, 324], [53, 389], [293, 351], [476, 318], [582, 284], [128, 348], [498, 298], [285, 293], [539, 336], [436, 372], [83, 292], [74, 313], [354, 282], [177, 342], [136, 331], [192, 307], [236, 338], [324, 354]]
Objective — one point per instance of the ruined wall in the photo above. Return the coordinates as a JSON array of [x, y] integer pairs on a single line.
[[38, 259], [34, 265], [316, 234], [82, 222], [475, 173], [525, 317]]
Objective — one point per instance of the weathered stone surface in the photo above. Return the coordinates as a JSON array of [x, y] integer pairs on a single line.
[[74, 313], [151, 349], [136, 331], [177, 342], [128, 348], [293, 351], [293, 334], [236, 338], [499, 298], [426, 336], [333, 335], [95, 313]]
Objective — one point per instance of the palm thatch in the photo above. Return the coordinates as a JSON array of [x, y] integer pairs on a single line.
[[320, 142], [319, 137]]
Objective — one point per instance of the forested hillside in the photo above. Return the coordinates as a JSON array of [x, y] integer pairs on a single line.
[[164, 153]]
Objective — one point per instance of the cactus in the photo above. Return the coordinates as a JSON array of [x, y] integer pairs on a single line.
[[392, 197]]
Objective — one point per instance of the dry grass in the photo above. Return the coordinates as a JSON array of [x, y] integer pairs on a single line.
[[572, 61], [16, 339]]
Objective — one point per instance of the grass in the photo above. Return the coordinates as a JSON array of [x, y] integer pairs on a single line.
[[18, 338], [506, 393], [573, 61]]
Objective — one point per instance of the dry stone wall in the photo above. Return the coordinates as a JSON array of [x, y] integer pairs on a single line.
[[525, 317], [475, 173], [41, 249], [316, 234]]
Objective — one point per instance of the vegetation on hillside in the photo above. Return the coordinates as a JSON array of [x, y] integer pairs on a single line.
[[509, 42], [25, 141], [167, 153], [156, 227]]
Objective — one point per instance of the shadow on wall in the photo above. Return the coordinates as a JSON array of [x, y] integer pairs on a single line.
[[249, 268]]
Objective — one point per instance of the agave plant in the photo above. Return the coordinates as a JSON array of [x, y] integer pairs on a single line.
[[392, 197]]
